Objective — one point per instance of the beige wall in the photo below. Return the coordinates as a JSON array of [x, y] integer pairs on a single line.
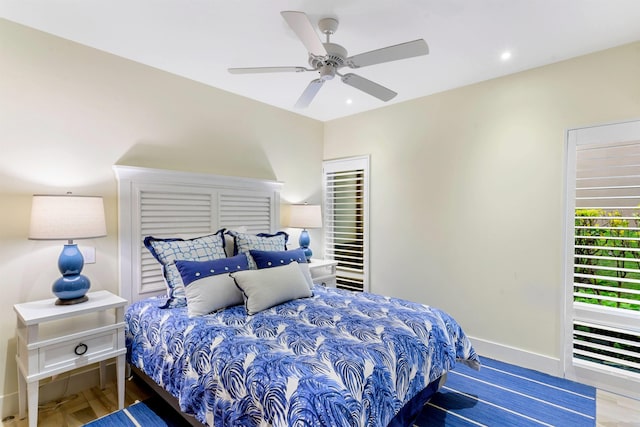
[[68, 113], [467, 191]]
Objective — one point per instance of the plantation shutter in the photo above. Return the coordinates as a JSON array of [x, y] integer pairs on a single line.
[[607, 222], [605, 324], [170, 213], [346, 211], [181, 212], [161, 203], [251, 211]]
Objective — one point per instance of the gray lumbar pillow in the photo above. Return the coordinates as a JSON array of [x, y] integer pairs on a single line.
[[268, 287]]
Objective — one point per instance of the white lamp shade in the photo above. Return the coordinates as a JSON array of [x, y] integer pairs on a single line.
[[67, 217], [305, 216]]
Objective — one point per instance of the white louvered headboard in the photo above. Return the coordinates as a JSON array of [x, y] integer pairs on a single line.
[[165, 203]]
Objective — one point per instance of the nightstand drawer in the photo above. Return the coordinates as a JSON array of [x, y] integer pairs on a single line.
[[328, 281], [323, 272], [77, 352]]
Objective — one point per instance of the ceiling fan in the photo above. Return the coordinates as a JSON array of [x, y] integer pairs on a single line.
[[328, 58]]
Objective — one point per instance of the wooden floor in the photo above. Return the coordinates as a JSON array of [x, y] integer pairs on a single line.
[[79, 409], [613, 410], [74, 411]]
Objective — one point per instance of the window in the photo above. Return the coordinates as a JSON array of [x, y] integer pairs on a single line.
[[603, 279], [346, 215]]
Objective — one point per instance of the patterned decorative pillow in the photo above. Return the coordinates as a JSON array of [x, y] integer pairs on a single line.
[[263, 242], [167, 251], [208, 286], [270, 259], [229, 244], [269, 287]]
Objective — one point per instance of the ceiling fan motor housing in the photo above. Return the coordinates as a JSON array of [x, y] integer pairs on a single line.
[[327, 65]]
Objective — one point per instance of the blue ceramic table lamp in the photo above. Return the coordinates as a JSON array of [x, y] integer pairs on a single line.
[[305, 216], [68, 217]]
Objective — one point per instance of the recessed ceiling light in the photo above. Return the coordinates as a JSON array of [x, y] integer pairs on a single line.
[[349, 101], [506, 55]]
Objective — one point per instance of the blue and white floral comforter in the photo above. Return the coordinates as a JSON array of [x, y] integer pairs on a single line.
[[335, 359]]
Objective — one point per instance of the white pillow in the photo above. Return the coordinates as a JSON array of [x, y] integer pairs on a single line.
[[304, 267], [208, 286], [211, 294], [269, 287]]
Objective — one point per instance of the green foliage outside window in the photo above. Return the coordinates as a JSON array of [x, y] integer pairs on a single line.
[[607, 251], [606, 234]]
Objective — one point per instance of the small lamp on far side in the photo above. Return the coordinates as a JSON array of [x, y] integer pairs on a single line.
[[305, 216], [68, 217]]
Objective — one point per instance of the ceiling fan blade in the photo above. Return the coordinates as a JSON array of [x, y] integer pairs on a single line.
[[367, 86], [309, 93], [388, 54], [254, 70], [300, 24]]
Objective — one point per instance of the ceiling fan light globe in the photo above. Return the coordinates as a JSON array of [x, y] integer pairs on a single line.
[[327, 72]]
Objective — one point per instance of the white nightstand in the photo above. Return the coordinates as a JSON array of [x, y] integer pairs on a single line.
[[323, 271], [53, 339]]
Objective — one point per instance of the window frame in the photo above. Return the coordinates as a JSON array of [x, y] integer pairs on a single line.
[[345, 165], [601, 319]]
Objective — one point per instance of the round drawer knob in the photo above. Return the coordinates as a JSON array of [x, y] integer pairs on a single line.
[[80, 349]]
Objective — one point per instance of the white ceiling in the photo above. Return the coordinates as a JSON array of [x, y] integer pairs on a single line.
[[200, 39]]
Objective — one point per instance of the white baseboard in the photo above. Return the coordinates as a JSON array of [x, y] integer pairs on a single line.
[[612, 381], [516, 356], [599, 377], [62, 385]]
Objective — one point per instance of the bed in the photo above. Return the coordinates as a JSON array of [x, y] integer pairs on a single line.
[[324, 357]]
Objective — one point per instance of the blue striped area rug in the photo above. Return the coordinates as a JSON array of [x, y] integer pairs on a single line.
[[501, 394], [152, 412], [135, 415]]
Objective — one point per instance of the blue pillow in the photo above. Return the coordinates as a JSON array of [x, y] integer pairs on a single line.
[[208, 285], [196, 270], [166, 251], [269, 259]]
